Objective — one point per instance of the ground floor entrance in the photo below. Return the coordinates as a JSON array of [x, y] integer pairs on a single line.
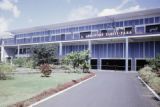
[[94, 64], [140, 63], [114, 64]]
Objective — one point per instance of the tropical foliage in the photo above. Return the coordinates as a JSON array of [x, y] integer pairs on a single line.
[[43, 55], [78, 60]]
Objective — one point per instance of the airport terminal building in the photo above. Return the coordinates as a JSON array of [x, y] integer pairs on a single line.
[[116, 42]]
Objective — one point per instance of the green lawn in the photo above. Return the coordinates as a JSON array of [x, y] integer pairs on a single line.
[[26, 86]]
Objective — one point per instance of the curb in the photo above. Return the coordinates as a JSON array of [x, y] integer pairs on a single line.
[[60, 92], [152, 91]]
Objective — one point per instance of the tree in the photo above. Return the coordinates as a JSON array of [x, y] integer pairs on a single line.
[[43, 55]]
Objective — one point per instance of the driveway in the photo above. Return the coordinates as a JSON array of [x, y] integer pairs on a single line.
[[107, 89]]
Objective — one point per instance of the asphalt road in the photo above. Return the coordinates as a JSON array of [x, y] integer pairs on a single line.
[[107, 89]]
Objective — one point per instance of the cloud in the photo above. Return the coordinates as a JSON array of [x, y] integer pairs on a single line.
[[122, 8], [30, 20], [4, 24], [10, 6], [87, 11], [107, 11]]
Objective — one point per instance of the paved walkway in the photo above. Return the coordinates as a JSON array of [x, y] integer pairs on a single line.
[[107, 89]]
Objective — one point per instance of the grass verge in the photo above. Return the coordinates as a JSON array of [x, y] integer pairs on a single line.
[[23, 87]]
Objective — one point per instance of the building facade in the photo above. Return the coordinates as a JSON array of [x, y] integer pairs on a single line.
[[116, 42]]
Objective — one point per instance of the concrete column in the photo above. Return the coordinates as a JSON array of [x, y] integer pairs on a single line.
[[18, 51], [133, 64], [126, 65], [60, 52], [2, 51], [90, 50]]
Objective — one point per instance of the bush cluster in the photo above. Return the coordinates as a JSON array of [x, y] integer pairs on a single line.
[[77, 60], [5, 69], [150, 78], [155, 64], [24, 62]]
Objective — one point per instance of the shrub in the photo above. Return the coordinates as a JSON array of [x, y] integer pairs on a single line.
[[78, 60], [151, 78], [155, 64], [24, 62], [147, 74], [155, 84], [45, 70], [19, 62], [5, 69]]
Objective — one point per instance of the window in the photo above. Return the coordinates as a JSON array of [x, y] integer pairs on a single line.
[[141, 21], [57, 31], [84, 34], [52, 31], [157, 19], [62, 30], [53, 38], [149, 20], [105, 26], [58, 37], [76, 36], [136, 22], [21, 51], [24, 51], [121, 24], [47, 38], [76, 29], [140, 30], [126, 23], [129, 30], [69, 36], [153, 28], [42, 39], [94, 27], [63, 37], [100, 26], [81, 28], [36, 39]]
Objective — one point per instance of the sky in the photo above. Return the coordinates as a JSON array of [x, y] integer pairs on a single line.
[[18, 14]]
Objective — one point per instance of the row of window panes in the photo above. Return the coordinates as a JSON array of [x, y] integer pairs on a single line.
[[9, 41], [33, 34], [96, 27]]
